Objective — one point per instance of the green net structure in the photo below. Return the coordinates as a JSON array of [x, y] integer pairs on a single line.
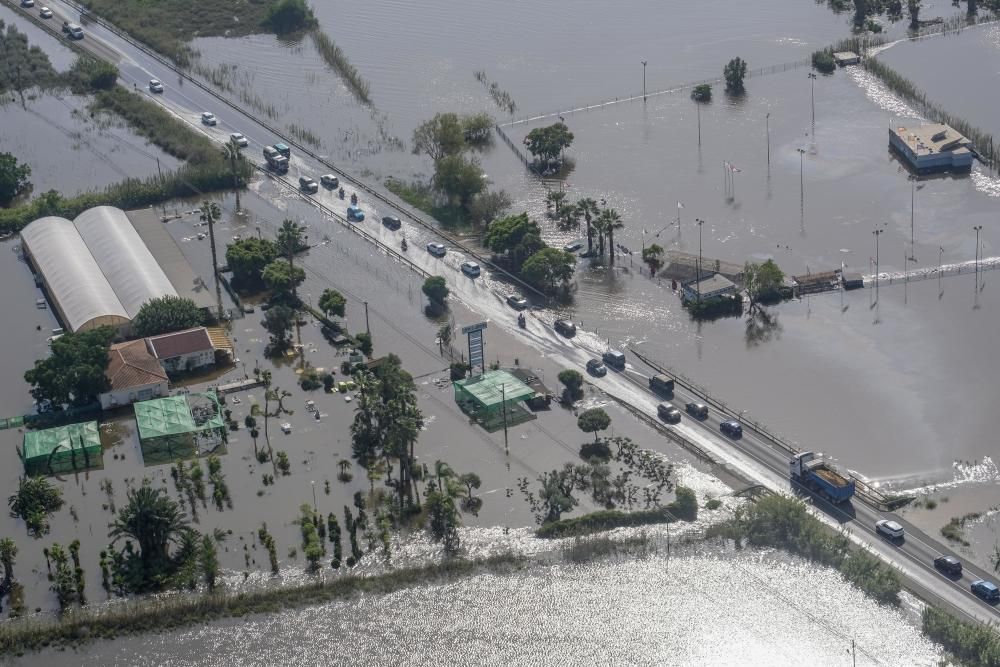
[[493, 398], [62, 449], [180, 427]]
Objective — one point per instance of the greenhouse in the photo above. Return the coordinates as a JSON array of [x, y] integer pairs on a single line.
[[180, 427], [62, 449], [494, 398]]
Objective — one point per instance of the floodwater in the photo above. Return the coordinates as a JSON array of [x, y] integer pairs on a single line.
[[681, 610]]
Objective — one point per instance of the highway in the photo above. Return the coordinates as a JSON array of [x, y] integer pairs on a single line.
[[755, 452]]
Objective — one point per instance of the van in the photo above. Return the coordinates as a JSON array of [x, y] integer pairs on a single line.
[[661, 384], [615, 359], [283, 149], [565, 327], [270, 152]]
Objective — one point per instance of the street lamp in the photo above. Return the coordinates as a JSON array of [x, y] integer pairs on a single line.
[[802, 187], [315, 508], [697, 284], [368, 328], [643, 80], [913, 193], [767, 127], [978, 228], [877, 233], [812, 95]]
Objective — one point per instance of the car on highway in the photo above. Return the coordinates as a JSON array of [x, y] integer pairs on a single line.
[[72, 30], [564, 327], [45, 13], [471, 269], [615, 359], [573, 246], [890, 529], [697, 410], [329, 181], [283, 149], [668, 413], [155, 86], [436, 249], [355, 214], [949, 565], [307, 184], [596, 367], [732, 428], [392, 222], [517, 302], [987, 590], [27, 3], [240, 140], [208, 118]]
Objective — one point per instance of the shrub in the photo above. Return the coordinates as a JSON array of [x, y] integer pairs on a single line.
[[365, 346], [595, 452], [286, 16], [822, 61], [684, 507], [309, 380], [701, 93], [973, 644], [459, 369], [573, 381], [713, 504]]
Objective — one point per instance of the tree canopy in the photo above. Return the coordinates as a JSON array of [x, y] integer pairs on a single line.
[[439, 137], [549, 142], [548, 268], [572, 380], [332, 302], [13, 178], [593, 421], [701, 93], [282, 279], [516, 236], [436, 289], [734, 72], [247, 258], [459, 178], [154, 522], [762, 280], [35, 501], [287, 16], [165, 314], [279, 320], [652, 256], [74, 372]]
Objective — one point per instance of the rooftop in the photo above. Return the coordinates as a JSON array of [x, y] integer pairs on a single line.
[[41, 444], [175, 415], [492, 388], [933, 138], [711, 284], [131, 365], [188, 341]]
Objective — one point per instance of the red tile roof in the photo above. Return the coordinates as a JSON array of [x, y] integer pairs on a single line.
[[175, 344], [131, 365]]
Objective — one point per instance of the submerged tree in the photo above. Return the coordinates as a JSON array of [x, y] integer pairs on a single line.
[[35, 501], [734, 72], [155, 522]]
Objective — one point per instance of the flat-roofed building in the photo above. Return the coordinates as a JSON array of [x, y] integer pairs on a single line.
[[932, 147]]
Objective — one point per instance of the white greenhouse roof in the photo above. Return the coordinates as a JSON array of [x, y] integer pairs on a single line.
[[82, 294], [130, 268]]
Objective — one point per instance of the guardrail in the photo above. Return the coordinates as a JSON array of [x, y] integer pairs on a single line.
[[354, 180]]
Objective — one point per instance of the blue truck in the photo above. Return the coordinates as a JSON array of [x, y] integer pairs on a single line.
[[821, 478]]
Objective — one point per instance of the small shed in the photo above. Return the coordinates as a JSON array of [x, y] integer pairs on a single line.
[[852, 280], [846, 58], [494, 398], [62, 449], [178, 427]]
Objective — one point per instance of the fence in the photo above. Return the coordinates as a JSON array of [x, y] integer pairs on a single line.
[[514, 147]]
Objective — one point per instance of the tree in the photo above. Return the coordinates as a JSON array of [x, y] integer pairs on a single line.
[[488, 206], [861, 10], [209, 558], [914, 8], [8, 551], [554, 199], [210, 214], [35, 501], [762, 281], [332, 302], [702, 93], [652, 256], [593, 421], [365, 344], [290, 241], [443, 519], [555, 494], [288, 16], [444, 337], [476, 127], [436, 289], [549, 142], [74, 371], [459, 178], [734, 72], [573, 381], [589, 210], [247, 258], [279, 321], [569, 217], [13, 178], [609, 221], [515, 236], [231, 151], [439, 137], [822, 61], [165, 314], [283, 279], [548, 268], [154, 521]]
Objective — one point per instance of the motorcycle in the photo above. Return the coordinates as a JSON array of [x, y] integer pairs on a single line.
[[521, 322], [341, 193], [402, 244], [354, 199]]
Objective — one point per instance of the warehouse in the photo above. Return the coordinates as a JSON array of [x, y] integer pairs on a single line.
[[96, 270]]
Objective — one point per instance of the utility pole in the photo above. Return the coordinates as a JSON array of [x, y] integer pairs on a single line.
[[697, 105], [877, 233], [503, 400], [698, 266], [978, 228], [802, 183], [368, 328], [812, 95], [940, 252], [767, 127], [913, 192], [643, 80]]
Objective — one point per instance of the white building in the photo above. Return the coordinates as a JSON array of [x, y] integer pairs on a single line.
[[932, 147], [134, 374], [182, 351], [710, 286]]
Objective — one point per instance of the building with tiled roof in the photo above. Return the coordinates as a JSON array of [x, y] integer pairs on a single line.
[[134, 375], [181, 351]]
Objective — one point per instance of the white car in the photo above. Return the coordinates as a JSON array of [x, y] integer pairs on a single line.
[[155, 86], [329, 181], [436, 249], [471, 269], [890, 529], [240, 140], [286, 428], [208, 118], [45, 13]]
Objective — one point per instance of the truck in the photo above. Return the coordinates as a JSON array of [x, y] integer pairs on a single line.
[[661, 384], [275, 160], [815, 474], [72, 30]]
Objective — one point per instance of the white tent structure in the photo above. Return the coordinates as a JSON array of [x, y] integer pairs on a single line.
[[97, 270]]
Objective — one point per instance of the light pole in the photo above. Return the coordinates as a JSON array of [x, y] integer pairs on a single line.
[[643, 80], [368, 328], [812, 96], [697, 283], [877, 233], [802, 183], [940, 252], [697, 105], [978, 228], [315, 508], [913, 194], [767, 127]]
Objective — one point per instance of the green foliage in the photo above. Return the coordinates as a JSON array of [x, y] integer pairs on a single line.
[[573, 381], [8, 551], [288, 16], [459, 178], [734, 72], [247, 258], [74, 371], [713, 504], [702, 93], [439, 137], [282, 463], [459, 370], [762, 281], [548, 143], [436, 289], [282, 279], [89, 75], [443, 519], [874, 577], [685, 505], [332, 302], [477, 128], [337, 59], [822, 61], [22, 66], [652, 256], [516, 237], [153, 521], [973, 644], [35, 501], [13, 178], [209, 559], [488, 206], [312, 546], [595, 452], [165, 314], [593, 421], [267, 540], [549, 268], [365, 344], [309, 380], [603, 520], [279, 321]]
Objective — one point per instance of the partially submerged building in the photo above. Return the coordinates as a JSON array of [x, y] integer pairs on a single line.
[[134, 375], [180, 427], [932, 147], [494, 399], [62, 449], [182, 351], [711, 286]]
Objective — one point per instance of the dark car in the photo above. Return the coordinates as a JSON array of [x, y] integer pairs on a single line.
[[949, 565], [392, 222], [668, 413], [987, 590], [596, 367], [697, 410], [732, 429], [565, 327]]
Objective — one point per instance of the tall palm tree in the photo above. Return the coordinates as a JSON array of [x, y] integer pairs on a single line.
[[154, 521], [210, 213], [588, 208], [231, 150], [611, 222], [290, 239], [555, 197], [569, 218], [8, 550]]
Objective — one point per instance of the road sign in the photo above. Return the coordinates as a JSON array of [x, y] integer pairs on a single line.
[[474, 327], [477, 353]]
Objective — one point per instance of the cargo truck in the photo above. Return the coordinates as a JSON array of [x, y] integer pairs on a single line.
[[821, 478], [661, 384], [275, 160]]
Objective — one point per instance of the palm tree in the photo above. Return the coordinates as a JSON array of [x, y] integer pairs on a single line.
[[210, 212], [8, 550], [154, 521], [231, 151], [610, 222], [555, 197], [570, 216], [588, 208], [265, 381], [290, 242]]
